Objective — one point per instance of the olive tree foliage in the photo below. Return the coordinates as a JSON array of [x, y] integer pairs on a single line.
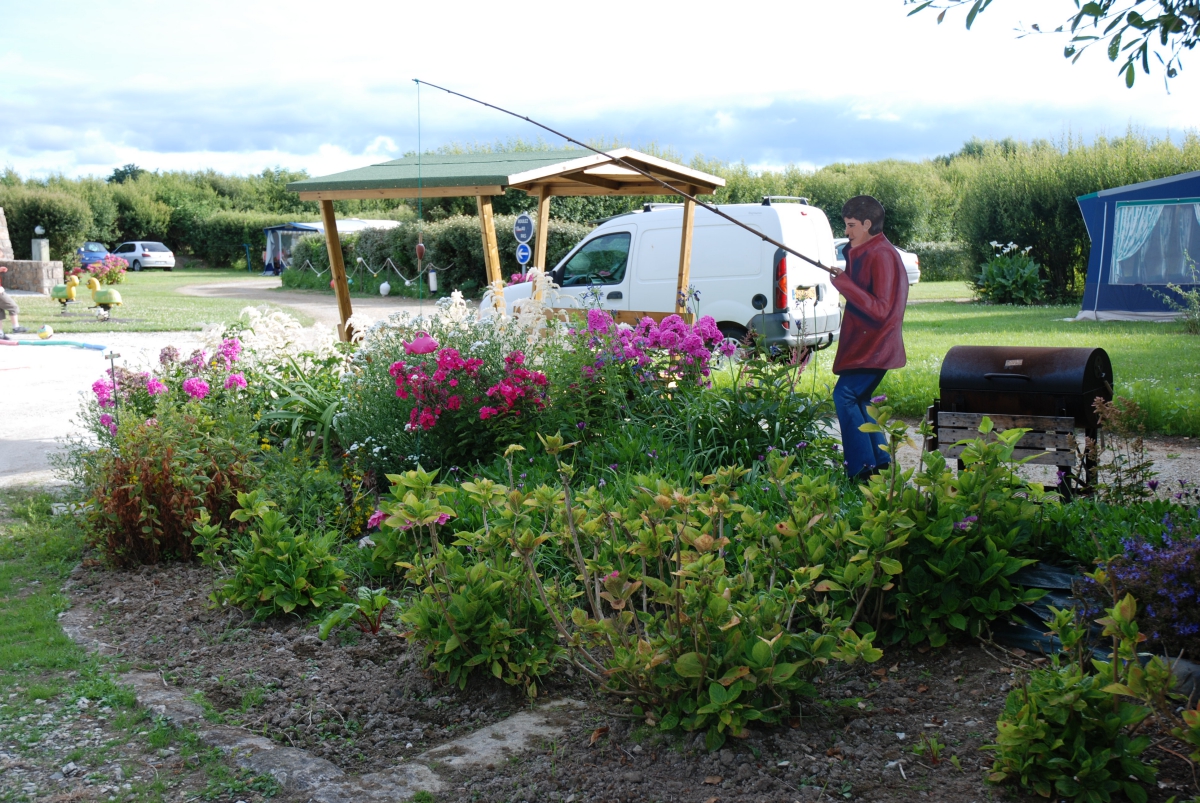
[[1130, 30]]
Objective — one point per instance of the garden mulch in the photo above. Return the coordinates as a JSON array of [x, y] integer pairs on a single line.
[[365, 704]]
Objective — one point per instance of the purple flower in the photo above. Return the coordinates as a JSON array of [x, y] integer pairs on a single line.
[[106, 420], [103, 388], [231, 350], [727, 348], [168, 355], [196, 388], [966, 523], [602, 483], [376, 519], [581, 425], [155, 386], [878, 399], [612, 466], [802, 445], [235, 381], [653, 454], [1152, 485]]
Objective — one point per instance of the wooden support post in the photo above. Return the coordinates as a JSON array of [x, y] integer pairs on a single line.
[[543, 227], [337, 267], [491, 250], [543, 233], [685, 256]]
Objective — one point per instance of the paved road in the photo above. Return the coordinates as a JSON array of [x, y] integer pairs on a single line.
[[320, 306]]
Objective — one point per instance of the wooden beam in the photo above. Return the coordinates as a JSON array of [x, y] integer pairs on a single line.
[[337, 267], [593, 181], [543, 226], [401, 192], [491, 249], [685, 256]]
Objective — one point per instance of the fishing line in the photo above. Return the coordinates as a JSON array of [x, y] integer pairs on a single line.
[[628, 165]]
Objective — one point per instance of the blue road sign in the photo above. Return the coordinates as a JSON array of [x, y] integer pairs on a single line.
[[523, 228], [524, 252]]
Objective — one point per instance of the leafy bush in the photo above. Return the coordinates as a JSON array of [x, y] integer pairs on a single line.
[[1069, 731], [313, 494], [453, 245], [276, 570], [1010, 277], [151, 478], [140, 216], [65, 218], [1088, 530], [943, 262]]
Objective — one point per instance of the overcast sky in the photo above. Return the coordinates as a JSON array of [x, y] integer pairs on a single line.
[[238, 86]]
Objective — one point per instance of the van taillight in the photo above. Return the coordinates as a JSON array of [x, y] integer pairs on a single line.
[[781, 289]]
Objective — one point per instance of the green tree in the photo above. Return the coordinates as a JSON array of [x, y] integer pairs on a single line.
[[1131, 30]]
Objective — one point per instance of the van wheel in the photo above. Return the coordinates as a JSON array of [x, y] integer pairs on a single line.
[[735, 335]]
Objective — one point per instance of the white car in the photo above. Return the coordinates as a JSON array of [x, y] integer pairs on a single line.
[[912, 264], [631, 263], [145, 254]]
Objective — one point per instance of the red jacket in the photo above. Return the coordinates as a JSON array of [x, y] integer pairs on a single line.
[[875, 286]]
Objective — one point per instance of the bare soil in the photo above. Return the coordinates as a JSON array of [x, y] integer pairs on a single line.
[[364, 703]]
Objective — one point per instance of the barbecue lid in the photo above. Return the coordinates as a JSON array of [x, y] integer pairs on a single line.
[[1028, 369]]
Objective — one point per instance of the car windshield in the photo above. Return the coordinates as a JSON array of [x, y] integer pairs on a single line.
[[601, 261], [94, 248], [155, 247]]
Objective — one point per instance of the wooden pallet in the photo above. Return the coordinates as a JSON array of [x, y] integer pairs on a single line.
[[1050, 441]]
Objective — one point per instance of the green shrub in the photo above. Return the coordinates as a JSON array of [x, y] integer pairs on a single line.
[[944, 262], [1010, 277], [149, 483], [66, 219], [219, 237], [454, 246], [1069, 731], [276, 570], [1087, 530], [140, 216]]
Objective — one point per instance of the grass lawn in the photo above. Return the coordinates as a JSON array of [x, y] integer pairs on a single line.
[[939, 291], [151, 304], [1156, 364]]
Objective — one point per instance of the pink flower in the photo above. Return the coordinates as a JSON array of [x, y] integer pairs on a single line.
[[421, 344], [106, 420], [231, 349], [376, 519], [442, 519], [155, 386], [103, 388], [599, 322], [487, 412], [235, 381], [196, 388]]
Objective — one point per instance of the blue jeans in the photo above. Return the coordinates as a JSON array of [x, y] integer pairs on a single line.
[[851, 395]]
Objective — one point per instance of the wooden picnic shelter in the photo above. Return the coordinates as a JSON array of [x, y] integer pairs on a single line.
[[542, 174]]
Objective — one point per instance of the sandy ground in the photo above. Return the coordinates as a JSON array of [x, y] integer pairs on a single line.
[[322, 307]]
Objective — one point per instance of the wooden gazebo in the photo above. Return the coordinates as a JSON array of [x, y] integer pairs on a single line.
[[542, 174]]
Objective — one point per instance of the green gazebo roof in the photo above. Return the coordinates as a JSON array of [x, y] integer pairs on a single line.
[[462, 174]]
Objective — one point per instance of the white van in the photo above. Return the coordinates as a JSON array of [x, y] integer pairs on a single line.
[[633, 262]]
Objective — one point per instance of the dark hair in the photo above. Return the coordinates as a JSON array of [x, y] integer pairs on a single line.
[[864, 207]]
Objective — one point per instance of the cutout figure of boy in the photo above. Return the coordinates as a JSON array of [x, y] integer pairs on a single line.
[[875, 286], [8, 307]]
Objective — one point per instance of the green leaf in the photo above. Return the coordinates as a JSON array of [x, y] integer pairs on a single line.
[[689, 665], [718, 694], [891, 566], [452, 644]]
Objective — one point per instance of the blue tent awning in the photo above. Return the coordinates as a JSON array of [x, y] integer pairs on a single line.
[[1144, 237]]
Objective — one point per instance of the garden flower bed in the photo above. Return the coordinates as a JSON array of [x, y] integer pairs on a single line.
[[366, 551]]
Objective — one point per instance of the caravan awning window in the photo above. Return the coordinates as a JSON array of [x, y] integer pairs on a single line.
[[1156, 242]]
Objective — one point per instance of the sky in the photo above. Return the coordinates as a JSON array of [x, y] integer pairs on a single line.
[[240, 86]]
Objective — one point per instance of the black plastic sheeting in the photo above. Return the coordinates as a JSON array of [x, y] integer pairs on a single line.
[[1026, 627]]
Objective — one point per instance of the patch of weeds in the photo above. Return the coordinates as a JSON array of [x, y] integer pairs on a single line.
[[252, 698], [211, 713], [224, 782], [422, 797], [42, 691]]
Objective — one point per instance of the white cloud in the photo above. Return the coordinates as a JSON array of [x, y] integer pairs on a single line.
[[242, 85]]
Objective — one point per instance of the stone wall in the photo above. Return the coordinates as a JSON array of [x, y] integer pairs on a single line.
[[37, 277], [6, 250]]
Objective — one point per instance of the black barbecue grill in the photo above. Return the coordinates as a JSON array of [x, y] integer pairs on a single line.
[[1048, 390]]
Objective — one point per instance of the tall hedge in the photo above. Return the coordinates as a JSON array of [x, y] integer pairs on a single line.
[[454, 246], [219, 237], [65, 218], [1026, 194]]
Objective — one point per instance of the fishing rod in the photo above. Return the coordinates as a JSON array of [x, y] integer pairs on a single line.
[[629, 166]]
